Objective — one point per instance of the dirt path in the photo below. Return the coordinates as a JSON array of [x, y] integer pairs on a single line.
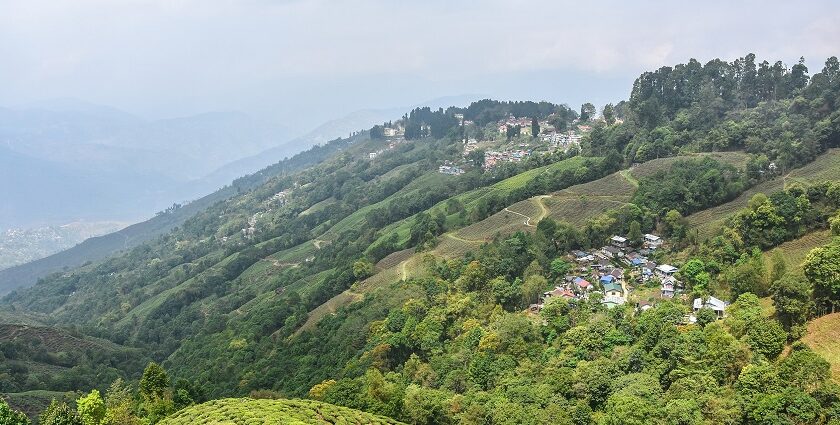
[[543, 209], [629, 177], [527, 221], [403, 272]]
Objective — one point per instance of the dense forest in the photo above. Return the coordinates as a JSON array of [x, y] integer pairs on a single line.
[[227, 302]]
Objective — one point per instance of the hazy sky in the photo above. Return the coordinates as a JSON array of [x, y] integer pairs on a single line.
[[303, 62]]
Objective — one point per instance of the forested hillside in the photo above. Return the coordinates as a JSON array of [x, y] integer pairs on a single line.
[[402, 273]]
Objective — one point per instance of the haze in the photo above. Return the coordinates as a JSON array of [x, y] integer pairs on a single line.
[[301, 63]]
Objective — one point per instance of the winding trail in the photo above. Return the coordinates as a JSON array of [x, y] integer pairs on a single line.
[[543, 209], [527, 221], [626, 173]]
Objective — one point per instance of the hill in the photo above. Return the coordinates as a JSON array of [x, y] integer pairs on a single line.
[[97, 248], [825, 167], [394, 275], [280, 412], [37, 357]]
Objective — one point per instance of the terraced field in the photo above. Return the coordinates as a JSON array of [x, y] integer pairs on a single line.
[[825, 168], [796, 250], [279, 412], [34, 402]]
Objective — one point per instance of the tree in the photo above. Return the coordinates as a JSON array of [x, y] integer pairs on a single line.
[[835, 225], [119, 405], [804, 369], [11, 417], [535, 128], [695, 275], [425, 405], [559, 268], [362, 269], [705, 316], [91, 408], [609, 114], [476, 158], [822, 268], [587, 112], [675, 224], [506, 293], [59, 414], [766, 337], [154, 383], [634, 234], [532, 288], [792, 298], [778, 265]]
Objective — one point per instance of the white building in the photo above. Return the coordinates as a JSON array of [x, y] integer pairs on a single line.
[[719, 306], [665, 270]]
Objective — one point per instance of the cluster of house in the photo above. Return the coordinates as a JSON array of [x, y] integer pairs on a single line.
[[524, 124], [491, 158], [249, 231], [462, 121], [395, 130], [563, 141], [450, 168], [613, 266]]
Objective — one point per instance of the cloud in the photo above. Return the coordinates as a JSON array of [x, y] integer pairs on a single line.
[[181, 56]]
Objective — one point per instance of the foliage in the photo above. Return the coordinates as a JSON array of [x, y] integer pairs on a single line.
[[91, 408], [11, 417]]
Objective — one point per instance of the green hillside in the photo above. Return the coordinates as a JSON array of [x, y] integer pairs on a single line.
[[825, 167], [402, 275], [281, 412]]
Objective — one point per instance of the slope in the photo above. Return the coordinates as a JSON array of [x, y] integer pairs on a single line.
[[575, 204], [826, 167], [823, 336], [101, 247]]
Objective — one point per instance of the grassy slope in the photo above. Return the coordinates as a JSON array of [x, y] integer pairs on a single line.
[[823, 336], [825, 167], [575, 204], [265, 274], [249, 411], [796, 250], [472, 198], [34, 402]]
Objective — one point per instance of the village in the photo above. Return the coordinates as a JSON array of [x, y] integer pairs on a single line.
[[618, 273], [513, 141], [508, 140]]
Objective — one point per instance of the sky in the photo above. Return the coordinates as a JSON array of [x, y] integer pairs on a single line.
[[302, 62]]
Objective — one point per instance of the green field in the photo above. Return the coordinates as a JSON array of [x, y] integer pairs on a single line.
[[279, 412]]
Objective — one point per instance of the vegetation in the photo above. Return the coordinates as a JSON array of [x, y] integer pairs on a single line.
[[386, 287], [245, 411]]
